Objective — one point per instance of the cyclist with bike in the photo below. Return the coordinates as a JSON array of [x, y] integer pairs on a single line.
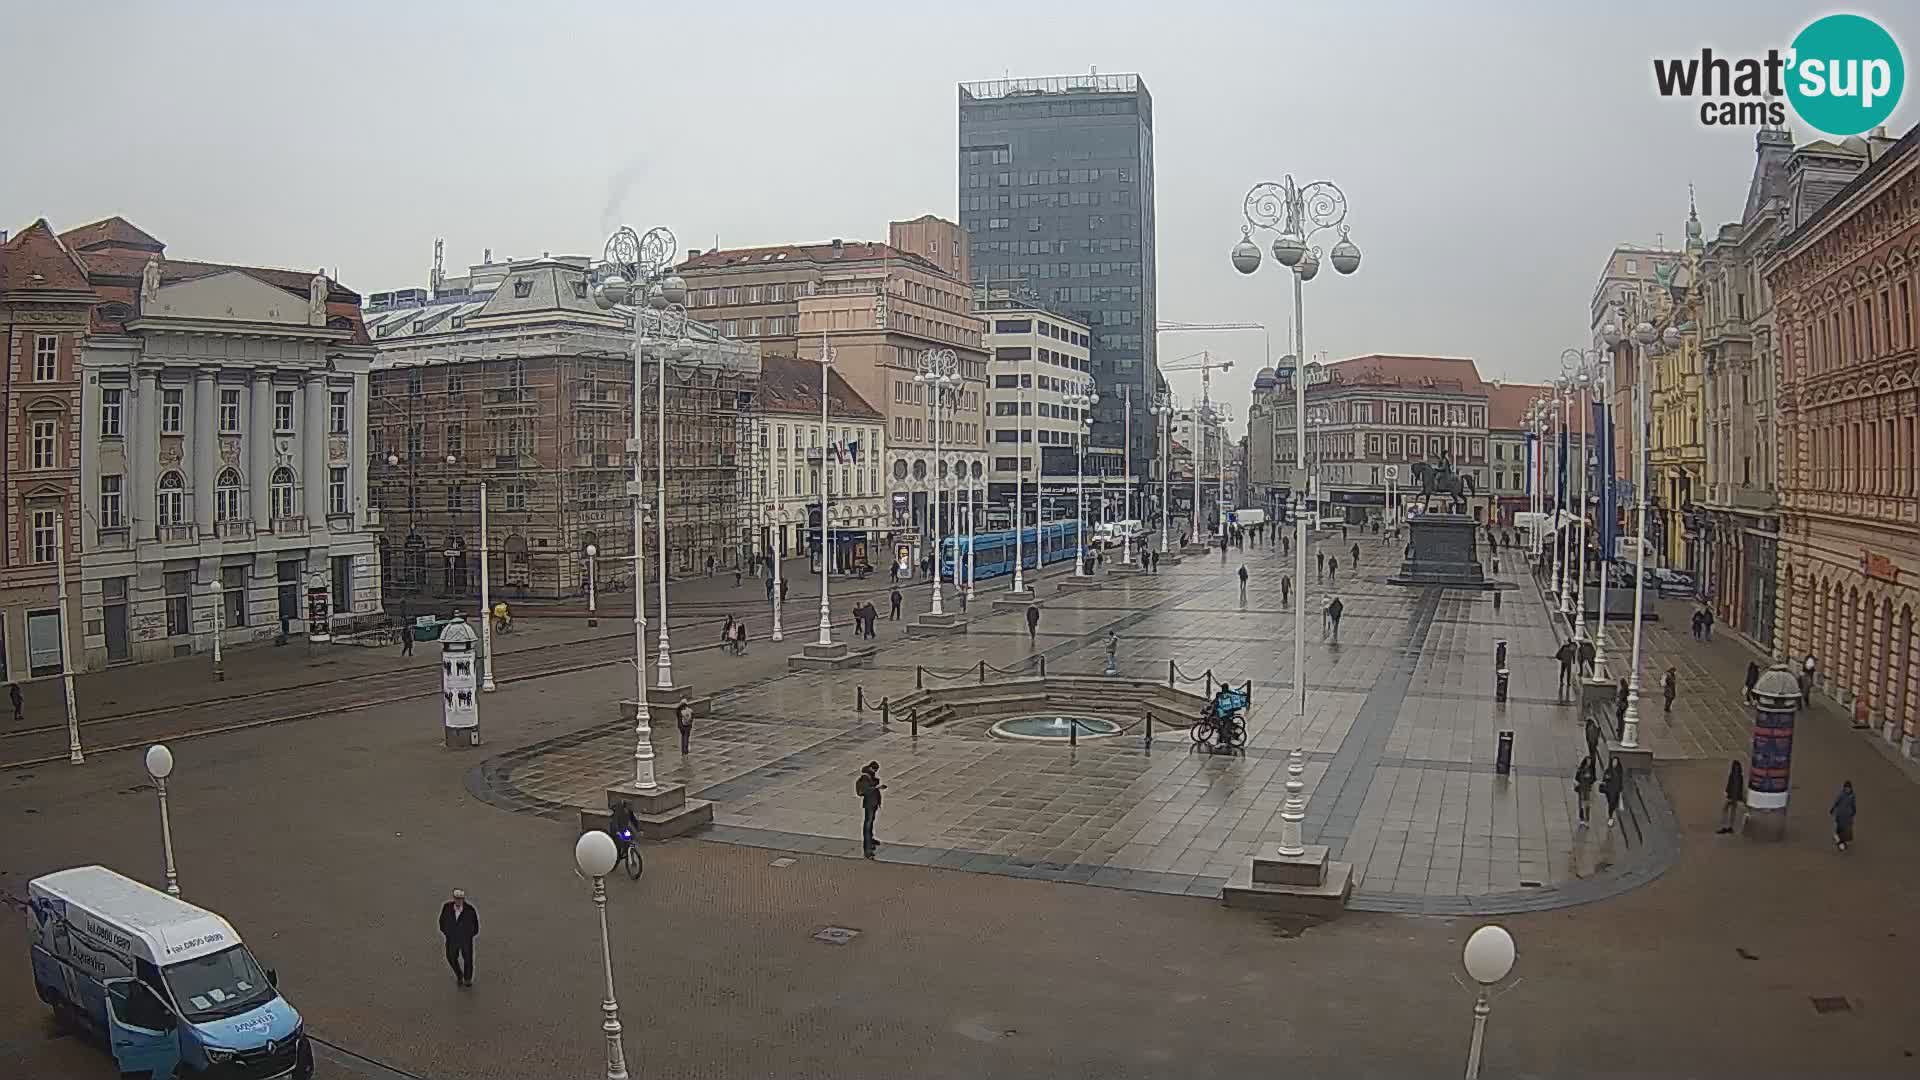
[[623, 826]]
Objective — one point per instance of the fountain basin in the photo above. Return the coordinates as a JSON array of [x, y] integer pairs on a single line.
[[1054, 728]]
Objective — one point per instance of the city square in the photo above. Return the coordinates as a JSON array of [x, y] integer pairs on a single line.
[[759, 559]]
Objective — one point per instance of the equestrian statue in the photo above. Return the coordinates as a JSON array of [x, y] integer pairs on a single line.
[[1441, 479]]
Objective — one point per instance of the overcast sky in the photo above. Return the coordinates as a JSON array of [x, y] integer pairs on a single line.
[[1491, 154]]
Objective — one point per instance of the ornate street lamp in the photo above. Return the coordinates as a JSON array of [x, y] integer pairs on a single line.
[[1163, 408], [1297, 215], [1082, 401], [940, 373]]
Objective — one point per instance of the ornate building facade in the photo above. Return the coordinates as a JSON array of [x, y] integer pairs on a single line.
[[1676, 447], [1844, 284]]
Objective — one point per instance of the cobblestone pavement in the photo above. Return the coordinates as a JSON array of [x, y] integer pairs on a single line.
[[331, 844], [1401, 732]]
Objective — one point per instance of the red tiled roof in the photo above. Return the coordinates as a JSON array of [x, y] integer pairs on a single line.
[[850, 251], [114, 232], [1393, 369], [788, 385], [1507, 404], [37, 260]]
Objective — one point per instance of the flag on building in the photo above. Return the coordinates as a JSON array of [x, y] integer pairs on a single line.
[[853, 451]]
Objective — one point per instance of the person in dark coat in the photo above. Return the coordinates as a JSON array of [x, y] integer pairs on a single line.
[[868, 787], [1593, 739], [1033, 621], [1587, 654], [1566, 654], [1334, 608], [1243, 584], [1356, 555], [769, 589], [460, 924], [1320, 564], [1753, 679], [1333, 570], [1843, 809], [893, 602], [1583, 779], [406, 640], [683, 719], [13, 697], [784, 582], [1620, 710], [1668, 688], [1286, 589], [1736, 795], [1611, 786]]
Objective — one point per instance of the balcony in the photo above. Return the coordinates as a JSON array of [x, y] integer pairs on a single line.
[[234, 529], [113, 538], [599, 396], [182, 533], [292, 525]]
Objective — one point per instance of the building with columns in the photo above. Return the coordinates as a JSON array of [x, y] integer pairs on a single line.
[[223, 414], [44, 300], [860, 519], [1844, 284]]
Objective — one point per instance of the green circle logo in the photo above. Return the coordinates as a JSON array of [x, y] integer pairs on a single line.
[[1847, 74]]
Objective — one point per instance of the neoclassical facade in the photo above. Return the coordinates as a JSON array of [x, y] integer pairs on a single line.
[[223, 417], [1844, 285]]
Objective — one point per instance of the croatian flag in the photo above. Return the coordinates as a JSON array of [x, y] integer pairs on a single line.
[[853, 451]]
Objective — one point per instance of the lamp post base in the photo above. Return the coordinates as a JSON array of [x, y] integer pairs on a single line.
[[663, 812]]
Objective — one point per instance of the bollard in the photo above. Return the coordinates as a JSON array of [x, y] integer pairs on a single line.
[[1499, 654], [1073, 732], [1043, 665], [883, 712], [983, 671], [1149, 738], [913, 721], [1170, 674], [859, 699], [1503, 757], [918, 671]]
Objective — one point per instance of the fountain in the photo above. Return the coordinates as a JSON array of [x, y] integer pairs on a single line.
[[1054, 728]]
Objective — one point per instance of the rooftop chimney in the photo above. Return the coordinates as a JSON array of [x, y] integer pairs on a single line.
[[839, 246]]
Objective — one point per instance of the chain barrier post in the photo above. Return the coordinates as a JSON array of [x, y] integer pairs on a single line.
[[859, 699], [1149, 738], [883, 713], [918, 682], [983, 672], [913, 721], [1170, 671]]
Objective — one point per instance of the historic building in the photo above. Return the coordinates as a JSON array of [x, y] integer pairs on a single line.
[[1632, 288], [1511, 437], [512, 385], [1677, 450], [1844, 283], [880, 308], [860, 518], [223, 420], [44, 300]]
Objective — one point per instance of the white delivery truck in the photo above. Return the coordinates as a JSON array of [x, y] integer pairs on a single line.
[[1246, 518], [169, 987]]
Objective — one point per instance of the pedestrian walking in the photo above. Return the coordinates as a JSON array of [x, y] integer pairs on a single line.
[[769, 589], [1736, 795], [1286, 589], [1334, 608], [1343, 530], [1806, 683], [1113, 652], [1286, 545], [1843, 809], [1356, 555], [868, 787], [1243, 583], [1320, 564], [893, 609], [1155, 557], [1620, 710], [726, 632], [1566, 654], [709, 566], [1706, 623], [737, 576], [784, 582], [740, 639], [1667, 689], [893, 573], [1753, 678], [1593, 739], [1033, 621], [406, 647], [1611, 786], [460, 924], [13, 696], [1583, 780], [1333, 570], [1589, 654], [683, 719]]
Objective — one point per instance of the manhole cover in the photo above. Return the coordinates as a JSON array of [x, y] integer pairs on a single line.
[[835, 935], [782, 862], [1831, 1004]]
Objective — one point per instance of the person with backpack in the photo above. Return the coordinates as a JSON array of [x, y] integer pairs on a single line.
[[868, 787], [1611, 786], [1583, 779], [1333, 571], [1736, 796]]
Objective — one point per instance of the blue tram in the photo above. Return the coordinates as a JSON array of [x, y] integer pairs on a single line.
[[993, 551]]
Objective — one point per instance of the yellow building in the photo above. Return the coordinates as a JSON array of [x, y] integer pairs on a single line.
[[1677, 448]]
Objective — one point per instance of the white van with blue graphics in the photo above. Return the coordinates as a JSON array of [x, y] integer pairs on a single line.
[[168, 986]]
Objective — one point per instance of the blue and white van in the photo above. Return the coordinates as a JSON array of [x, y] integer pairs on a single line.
[[168, 986]]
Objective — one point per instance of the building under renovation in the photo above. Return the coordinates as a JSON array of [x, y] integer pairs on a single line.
[[512, 385]]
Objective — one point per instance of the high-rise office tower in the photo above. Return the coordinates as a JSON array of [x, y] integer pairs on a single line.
[[1056, 196]]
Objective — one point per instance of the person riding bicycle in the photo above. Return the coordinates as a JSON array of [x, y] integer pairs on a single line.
[[623, 827], [502, 618]]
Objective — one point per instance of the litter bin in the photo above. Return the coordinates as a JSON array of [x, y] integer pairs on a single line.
[[1500, 685], [1503, 763]]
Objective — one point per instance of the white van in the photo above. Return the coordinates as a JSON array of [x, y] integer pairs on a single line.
[[167, 985]]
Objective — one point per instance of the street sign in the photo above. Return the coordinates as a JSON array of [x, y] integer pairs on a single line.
[[1393, 472]]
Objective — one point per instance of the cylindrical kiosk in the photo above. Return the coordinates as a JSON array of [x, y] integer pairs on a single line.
[[1775, 697], [459, 682]]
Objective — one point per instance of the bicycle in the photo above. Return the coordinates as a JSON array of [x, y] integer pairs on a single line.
[[620, 826]]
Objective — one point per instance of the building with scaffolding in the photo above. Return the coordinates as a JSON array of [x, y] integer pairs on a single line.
[[512, 384]]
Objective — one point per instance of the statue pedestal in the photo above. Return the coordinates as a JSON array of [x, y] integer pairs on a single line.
[[1442, 549]]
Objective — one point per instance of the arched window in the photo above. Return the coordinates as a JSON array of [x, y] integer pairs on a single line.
[[172, 498], [226, 496], [281, 490]]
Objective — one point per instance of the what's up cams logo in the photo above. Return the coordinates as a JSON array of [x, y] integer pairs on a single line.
[[1843, 75]]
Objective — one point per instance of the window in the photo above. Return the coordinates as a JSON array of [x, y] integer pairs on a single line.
[[339, 413], [343, 578], [45, 440], [287, 572], [229, 411], [171, 503], [233, 595], [280, 491], [179, 590], [456, 381], [456, 439], [456, 497], [112, 515], [171, 405], [283, 411], [110, 413], [1633, 266], [46, 358], [337, 490], [516, 496], [44, 527], [227, 497]]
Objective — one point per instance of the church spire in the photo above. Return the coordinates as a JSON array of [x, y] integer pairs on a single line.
[[1693, 220]]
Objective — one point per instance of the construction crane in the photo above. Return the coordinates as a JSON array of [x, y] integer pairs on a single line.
[[1192, 327], [1205, 415]]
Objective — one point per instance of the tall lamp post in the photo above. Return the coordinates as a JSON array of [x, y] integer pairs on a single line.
[[1488, 958], [1163, 408], [1081, 401], [640, 267], [1019, 493], [1297, 214], [940, 372], [1563, 392], [219, 605], [160, 766], [970, 471], [486, 602], [1585, 368], [593, 607], [777, 530], [825, 360], [1603, 468], [1644, 337], [595, 855]]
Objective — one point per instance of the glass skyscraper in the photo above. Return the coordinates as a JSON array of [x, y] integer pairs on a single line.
[[1056, 197]]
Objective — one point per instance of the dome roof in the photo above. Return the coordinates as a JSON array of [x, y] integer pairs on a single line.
[[1265, 377]]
